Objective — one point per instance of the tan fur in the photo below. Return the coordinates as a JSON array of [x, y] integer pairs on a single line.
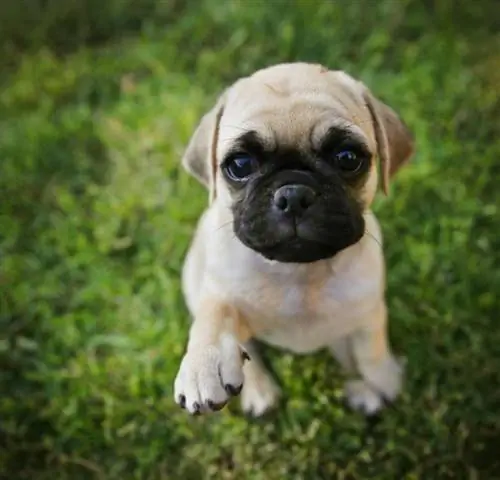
[[234, 294]]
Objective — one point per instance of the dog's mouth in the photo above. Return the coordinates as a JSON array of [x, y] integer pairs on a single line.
[[296, 250], [301, 246]]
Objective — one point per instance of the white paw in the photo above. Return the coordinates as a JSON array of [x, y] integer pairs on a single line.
[[260, 394], [362, 398], [209, 375], [381, 383], [386, 378]]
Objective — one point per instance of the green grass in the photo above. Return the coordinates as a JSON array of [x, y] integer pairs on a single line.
[[96, 215]]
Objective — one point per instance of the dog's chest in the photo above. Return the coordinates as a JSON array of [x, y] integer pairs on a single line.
[[303, 312]]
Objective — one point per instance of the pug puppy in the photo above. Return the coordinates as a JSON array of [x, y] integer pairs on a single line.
[[288, 251]]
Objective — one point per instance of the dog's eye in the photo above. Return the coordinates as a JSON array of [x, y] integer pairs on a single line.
[[239, 167], [348, 161]]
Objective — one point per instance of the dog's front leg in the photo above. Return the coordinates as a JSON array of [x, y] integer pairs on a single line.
[[212, 368], [371, 357]]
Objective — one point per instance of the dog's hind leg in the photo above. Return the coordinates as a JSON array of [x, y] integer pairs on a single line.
[[367, 354], [260, 391]]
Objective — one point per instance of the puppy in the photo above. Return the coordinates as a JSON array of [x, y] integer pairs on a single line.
[[288, 251]]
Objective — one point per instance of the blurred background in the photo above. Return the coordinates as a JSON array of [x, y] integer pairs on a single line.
[[97, 101]]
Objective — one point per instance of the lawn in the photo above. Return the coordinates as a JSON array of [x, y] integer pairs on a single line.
[[97, 102]]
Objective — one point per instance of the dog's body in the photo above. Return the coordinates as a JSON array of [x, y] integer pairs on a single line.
[[289, 252], [302, 308]]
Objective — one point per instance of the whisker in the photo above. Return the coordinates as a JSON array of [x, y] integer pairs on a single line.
[[226, 224], [374, 238], [231, 231], [243, 129]]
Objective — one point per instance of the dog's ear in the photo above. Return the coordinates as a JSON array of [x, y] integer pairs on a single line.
[[200, 156], [395, 142]]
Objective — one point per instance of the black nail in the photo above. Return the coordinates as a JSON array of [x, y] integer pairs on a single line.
[[196, 408], [245, 356], [232, 390], [215, 406], [182, 401], [373, 419]]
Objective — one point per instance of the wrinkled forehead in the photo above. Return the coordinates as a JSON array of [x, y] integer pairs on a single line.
[[298, 118]]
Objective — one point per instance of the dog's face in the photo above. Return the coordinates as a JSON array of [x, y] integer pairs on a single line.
[[291, 151]]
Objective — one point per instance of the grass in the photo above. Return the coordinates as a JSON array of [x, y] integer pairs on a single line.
[[96, 215]]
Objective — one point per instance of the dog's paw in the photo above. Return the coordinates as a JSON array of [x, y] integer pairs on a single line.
[[386, 378], [381, 384], [362, 398], [260, 394], [209, 376]]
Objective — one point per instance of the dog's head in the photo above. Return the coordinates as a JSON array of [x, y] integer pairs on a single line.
[[291, 151]]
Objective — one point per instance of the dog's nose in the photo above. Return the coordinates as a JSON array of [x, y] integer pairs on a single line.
[[294, 199]]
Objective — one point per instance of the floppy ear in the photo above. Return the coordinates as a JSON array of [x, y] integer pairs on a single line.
[[200, 156], [394, 141]]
